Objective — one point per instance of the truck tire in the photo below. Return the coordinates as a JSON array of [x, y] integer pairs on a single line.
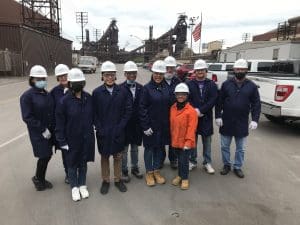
[[275, 119]]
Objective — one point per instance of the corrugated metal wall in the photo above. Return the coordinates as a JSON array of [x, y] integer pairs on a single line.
[[10, 38], [44, 49]]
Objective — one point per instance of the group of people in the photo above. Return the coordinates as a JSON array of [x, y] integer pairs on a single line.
[[164, 112]]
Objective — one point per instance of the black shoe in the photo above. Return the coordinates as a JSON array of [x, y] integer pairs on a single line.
[[39, 185], [174, 165], [121, 186], [125, 177], [136, 172], [67, 180], [239, 173], [48, 185], [104, 188], [226, 170]]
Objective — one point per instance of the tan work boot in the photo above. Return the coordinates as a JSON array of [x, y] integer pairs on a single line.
[[176, 180], [150, 179], [158, 177], [185, 184]]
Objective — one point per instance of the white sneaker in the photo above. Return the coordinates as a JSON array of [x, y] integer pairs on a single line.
[[192, 166], [84, 191], [75, 194], [209, 169]]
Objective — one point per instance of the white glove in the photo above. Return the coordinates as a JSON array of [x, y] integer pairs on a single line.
[[219, 122], [185, 148], [46, 134], [65, 147], [148, 132], [65, 90], [198, 112], [253, 125]]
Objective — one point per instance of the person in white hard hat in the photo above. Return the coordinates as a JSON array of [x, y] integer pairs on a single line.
[[154, 116], [112, 111], [171, 80], [37, 108], [183, 125], [61, 74], [75, 132], [203, 97], [133, 129], [238, 97]]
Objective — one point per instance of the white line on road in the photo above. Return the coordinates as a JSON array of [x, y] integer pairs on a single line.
[[14, 139]]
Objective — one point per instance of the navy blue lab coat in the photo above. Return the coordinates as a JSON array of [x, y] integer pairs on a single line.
[[74, 127], [234, 105], [174, 82], [154, 113], [133, 130], [112, 113], [37, 108], [205, 102]]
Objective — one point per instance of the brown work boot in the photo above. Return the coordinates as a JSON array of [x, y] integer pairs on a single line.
[[158, 177], [150, 179], [176, 181], [185, 184]]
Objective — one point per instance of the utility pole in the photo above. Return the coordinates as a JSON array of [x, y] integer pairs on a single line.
[[246, 37], [191, 24], [82, 19]]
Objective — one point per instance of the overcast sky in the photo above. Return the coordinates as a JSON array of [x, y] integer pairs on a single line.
[[222, 20]]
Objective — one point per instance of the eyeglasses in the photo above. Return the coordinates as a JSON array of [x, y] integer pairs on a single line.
[[109, 75]]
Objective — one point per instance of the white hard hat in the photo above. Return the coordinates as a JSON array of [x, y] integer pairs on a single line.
[[75, 74], [61, 69], [170, 61], [241, 63], [182, 87], [38, 71], [159, 66], [108, 66], [130, 66], [200, 64]]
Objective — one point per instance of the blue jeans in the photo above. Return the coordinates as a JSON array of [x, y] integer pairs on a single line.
[[77, 176], [152, 157], [206, 141], [239, 152], [183, 163], [133, 156]]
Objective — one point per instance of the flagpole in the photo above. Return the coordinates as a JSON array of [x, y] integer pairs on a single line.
[[200, 40]]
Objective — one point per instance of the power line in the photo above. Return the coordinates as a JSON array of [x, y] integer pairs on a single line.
[[82, 19]]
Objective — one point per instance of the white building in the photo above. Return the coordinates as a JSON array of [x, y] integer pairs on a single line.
[[262, 50]]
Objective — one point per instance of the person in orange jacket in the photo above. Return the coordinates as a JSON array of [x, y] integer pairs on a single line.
[[183, 126]]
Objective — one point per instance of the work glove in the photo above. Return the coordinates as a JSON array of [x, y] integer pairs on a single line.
[[46, 134], [186, 148], [253, 125], [219, 122], [198, 112], [66, 90], [65, 147], [148, 132]]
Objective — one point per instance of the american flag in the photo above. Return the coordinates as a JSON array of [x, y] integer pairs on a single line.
[[197, 32]]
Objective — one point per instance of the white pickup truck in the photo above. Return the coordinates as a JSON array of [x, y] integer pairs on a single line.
[[280, 90], [219, 72]]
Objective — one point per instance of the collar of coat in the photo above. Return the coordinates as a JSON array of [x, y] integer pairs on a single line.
[[115, 88], [137, 85], [154, 85], [187, 105], [39, 91], [235, 82]]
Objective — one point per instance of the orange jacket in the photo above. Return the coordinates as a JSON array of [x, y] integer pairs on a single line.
[[183, 124]]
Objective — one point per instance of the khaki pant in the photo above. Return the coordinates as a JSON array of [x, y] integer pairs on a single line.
[[105, 169]]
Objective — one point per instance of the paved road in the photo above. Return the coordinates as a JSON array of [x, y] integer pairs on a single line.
[[269, 195]]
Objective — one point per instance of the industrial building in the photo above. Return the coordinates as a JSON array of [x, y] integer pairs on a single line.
[[27, 37]]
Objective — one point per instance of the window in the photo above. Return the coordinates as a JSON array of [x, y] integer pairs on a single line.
[[275, 53], [285, 67], [215, 67], [264, 66], [249, 66], [237, 55], [229, 67]]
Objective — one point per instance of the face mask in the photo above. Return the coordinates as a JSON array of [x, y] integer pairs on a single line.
[[41, 84], [77, 86], [130, 82], [240, 76], [169, 76]]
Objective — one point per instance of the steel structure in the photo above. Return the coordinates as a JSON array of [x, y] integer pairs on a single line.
[[43, 15]]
